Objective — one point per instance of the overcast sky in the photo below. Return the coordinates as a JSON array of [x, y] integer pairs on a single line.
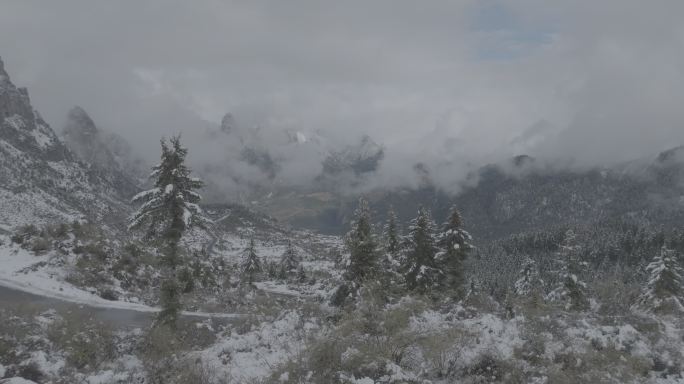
[[595, 81]]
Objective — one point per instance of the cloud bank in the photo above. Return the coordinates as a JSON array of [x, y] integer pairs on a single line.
[[449, 84]]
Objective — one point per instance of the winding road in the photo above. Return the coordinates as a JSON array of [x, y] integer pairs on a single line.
[[120, 318]]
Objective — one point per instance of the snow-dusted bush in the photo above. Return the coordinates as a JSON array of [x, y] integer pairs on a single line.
[[86, 344], [370, 341]]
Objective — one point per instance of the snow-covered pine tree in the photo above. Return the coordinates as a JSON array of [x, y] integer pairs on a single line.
[[362, 261], [251, 265], [529, 285], [454, 244], [362, 246], [166, 212], [171, 207], [391, 233], [529, 279], [420, 268], [664, 291], [570, 289], [389, 264], [289, 261]]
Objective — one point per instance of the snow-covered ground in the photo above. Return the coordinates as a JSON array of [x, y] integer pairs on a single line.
[[291, 324], [255, 354], [24, 271]]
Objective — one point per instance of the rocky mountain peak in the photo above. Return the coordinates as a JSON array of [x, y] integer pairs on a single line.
[[362, 157], [13, 100], [79, 123]]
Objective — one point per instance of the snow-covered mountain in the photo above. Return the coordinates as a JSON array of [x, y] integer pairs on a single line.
[[40, 178]]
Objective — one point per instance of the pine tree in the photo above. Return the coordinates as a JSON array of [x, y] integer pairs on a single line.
[[166, 212], [454, 243], [529, 284], [391, 233], [664, 291], [570, 290], [362, 261], [170, 207], [389, 265], [529, 280], [420, 268], [251, 265], [289, 261], [362, 246]]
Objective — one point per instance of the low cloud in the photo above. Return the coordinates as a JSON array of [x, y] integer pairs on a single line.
[[450, 85]]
